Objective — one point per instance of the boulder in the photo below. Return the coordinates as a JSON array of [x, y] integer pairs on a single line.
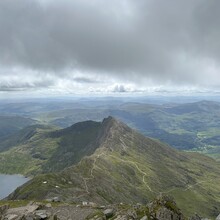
[[108, 213], [41, 214], [11, 217], [48, 205], [56, 199]]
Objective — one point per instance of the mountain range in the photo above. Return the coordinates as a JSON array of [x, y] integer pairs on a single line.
[[188, 126], [108, 162]]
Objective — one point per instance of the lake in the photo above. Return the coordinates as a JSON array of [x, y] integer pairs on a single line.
[[8, 183]]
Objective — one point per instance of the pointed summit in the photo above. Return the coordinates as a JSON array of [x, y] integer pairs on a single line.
[[111, 132]]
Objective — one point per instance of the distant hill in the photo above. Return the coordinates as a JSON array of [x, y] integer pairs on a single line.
[[184, 126], [188, 126], [11, 124], [128, 167]]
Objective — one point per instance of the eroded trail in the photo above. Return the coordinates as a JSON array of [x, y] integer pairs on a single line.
[[137, 167], [86, 179], [94, 166]]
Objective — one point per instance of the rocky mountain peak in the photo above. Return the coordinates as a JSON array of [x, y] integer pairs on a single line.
[[111, 131]]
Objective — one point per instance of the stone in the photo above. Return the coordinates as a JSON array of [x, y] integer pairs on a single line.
[[92, 204], [166, 214], [132, 214], [218, 217], [48, 205], [56, 199], [85, 203], [144, 218], [11, 217], [42, 214], [108, 213], [20, 211]]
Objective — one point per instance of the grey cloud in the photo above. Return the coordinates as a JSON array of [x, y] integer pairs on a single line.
[[85, 80], [22, 85], [129, 39]]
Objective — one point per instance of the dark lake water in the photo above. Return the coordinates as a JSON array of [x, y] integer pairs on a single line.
[[8, 183]]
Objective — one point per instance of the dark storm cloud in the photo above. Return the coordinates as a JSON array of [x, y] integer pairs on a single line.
[[171, 40]]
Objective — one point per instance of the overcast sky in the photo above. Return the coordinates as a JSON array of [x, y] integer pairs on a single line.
[[109, 46]]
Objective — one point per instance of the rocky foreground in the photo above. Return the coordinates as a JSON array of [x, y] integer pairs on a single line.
[[162, 208]]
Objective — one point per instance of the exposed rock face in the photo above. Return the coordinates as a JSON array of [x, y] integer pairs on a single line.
[[165, 208], [164, 214]]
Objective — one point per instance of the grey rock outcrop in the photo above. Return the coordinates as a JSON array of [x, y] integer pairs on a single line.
[[108, 213]]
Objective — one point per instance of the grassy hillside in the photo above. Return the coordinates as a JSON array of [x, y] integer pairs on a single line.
[[40, 148], [128, 167], [26, 151], [75, 142]]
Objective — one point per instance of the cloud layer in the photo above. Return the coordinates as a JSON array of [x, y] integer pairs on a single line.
[[146, 42]]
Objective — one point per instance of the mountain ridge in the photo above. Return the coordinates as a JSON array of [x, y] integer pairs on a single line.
[[128, 167]]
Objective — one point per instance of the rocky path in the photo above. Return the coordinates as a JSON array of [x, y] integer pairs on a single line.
[[71, 212]]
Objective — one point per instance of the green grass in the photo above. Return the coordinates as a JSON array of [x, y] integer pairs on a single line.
[[129, 168]]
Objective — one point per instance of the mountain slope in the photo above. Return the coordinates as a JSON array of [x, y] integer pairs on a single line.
[[41, 148], [128, 167], [76, 141]]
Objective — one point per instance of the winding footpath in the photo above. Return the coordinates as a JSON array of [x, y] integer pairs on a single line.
[[94, 166]]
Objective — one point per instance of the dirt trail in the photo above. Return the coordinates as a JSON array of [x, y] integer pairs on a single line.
[[187, 187]]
